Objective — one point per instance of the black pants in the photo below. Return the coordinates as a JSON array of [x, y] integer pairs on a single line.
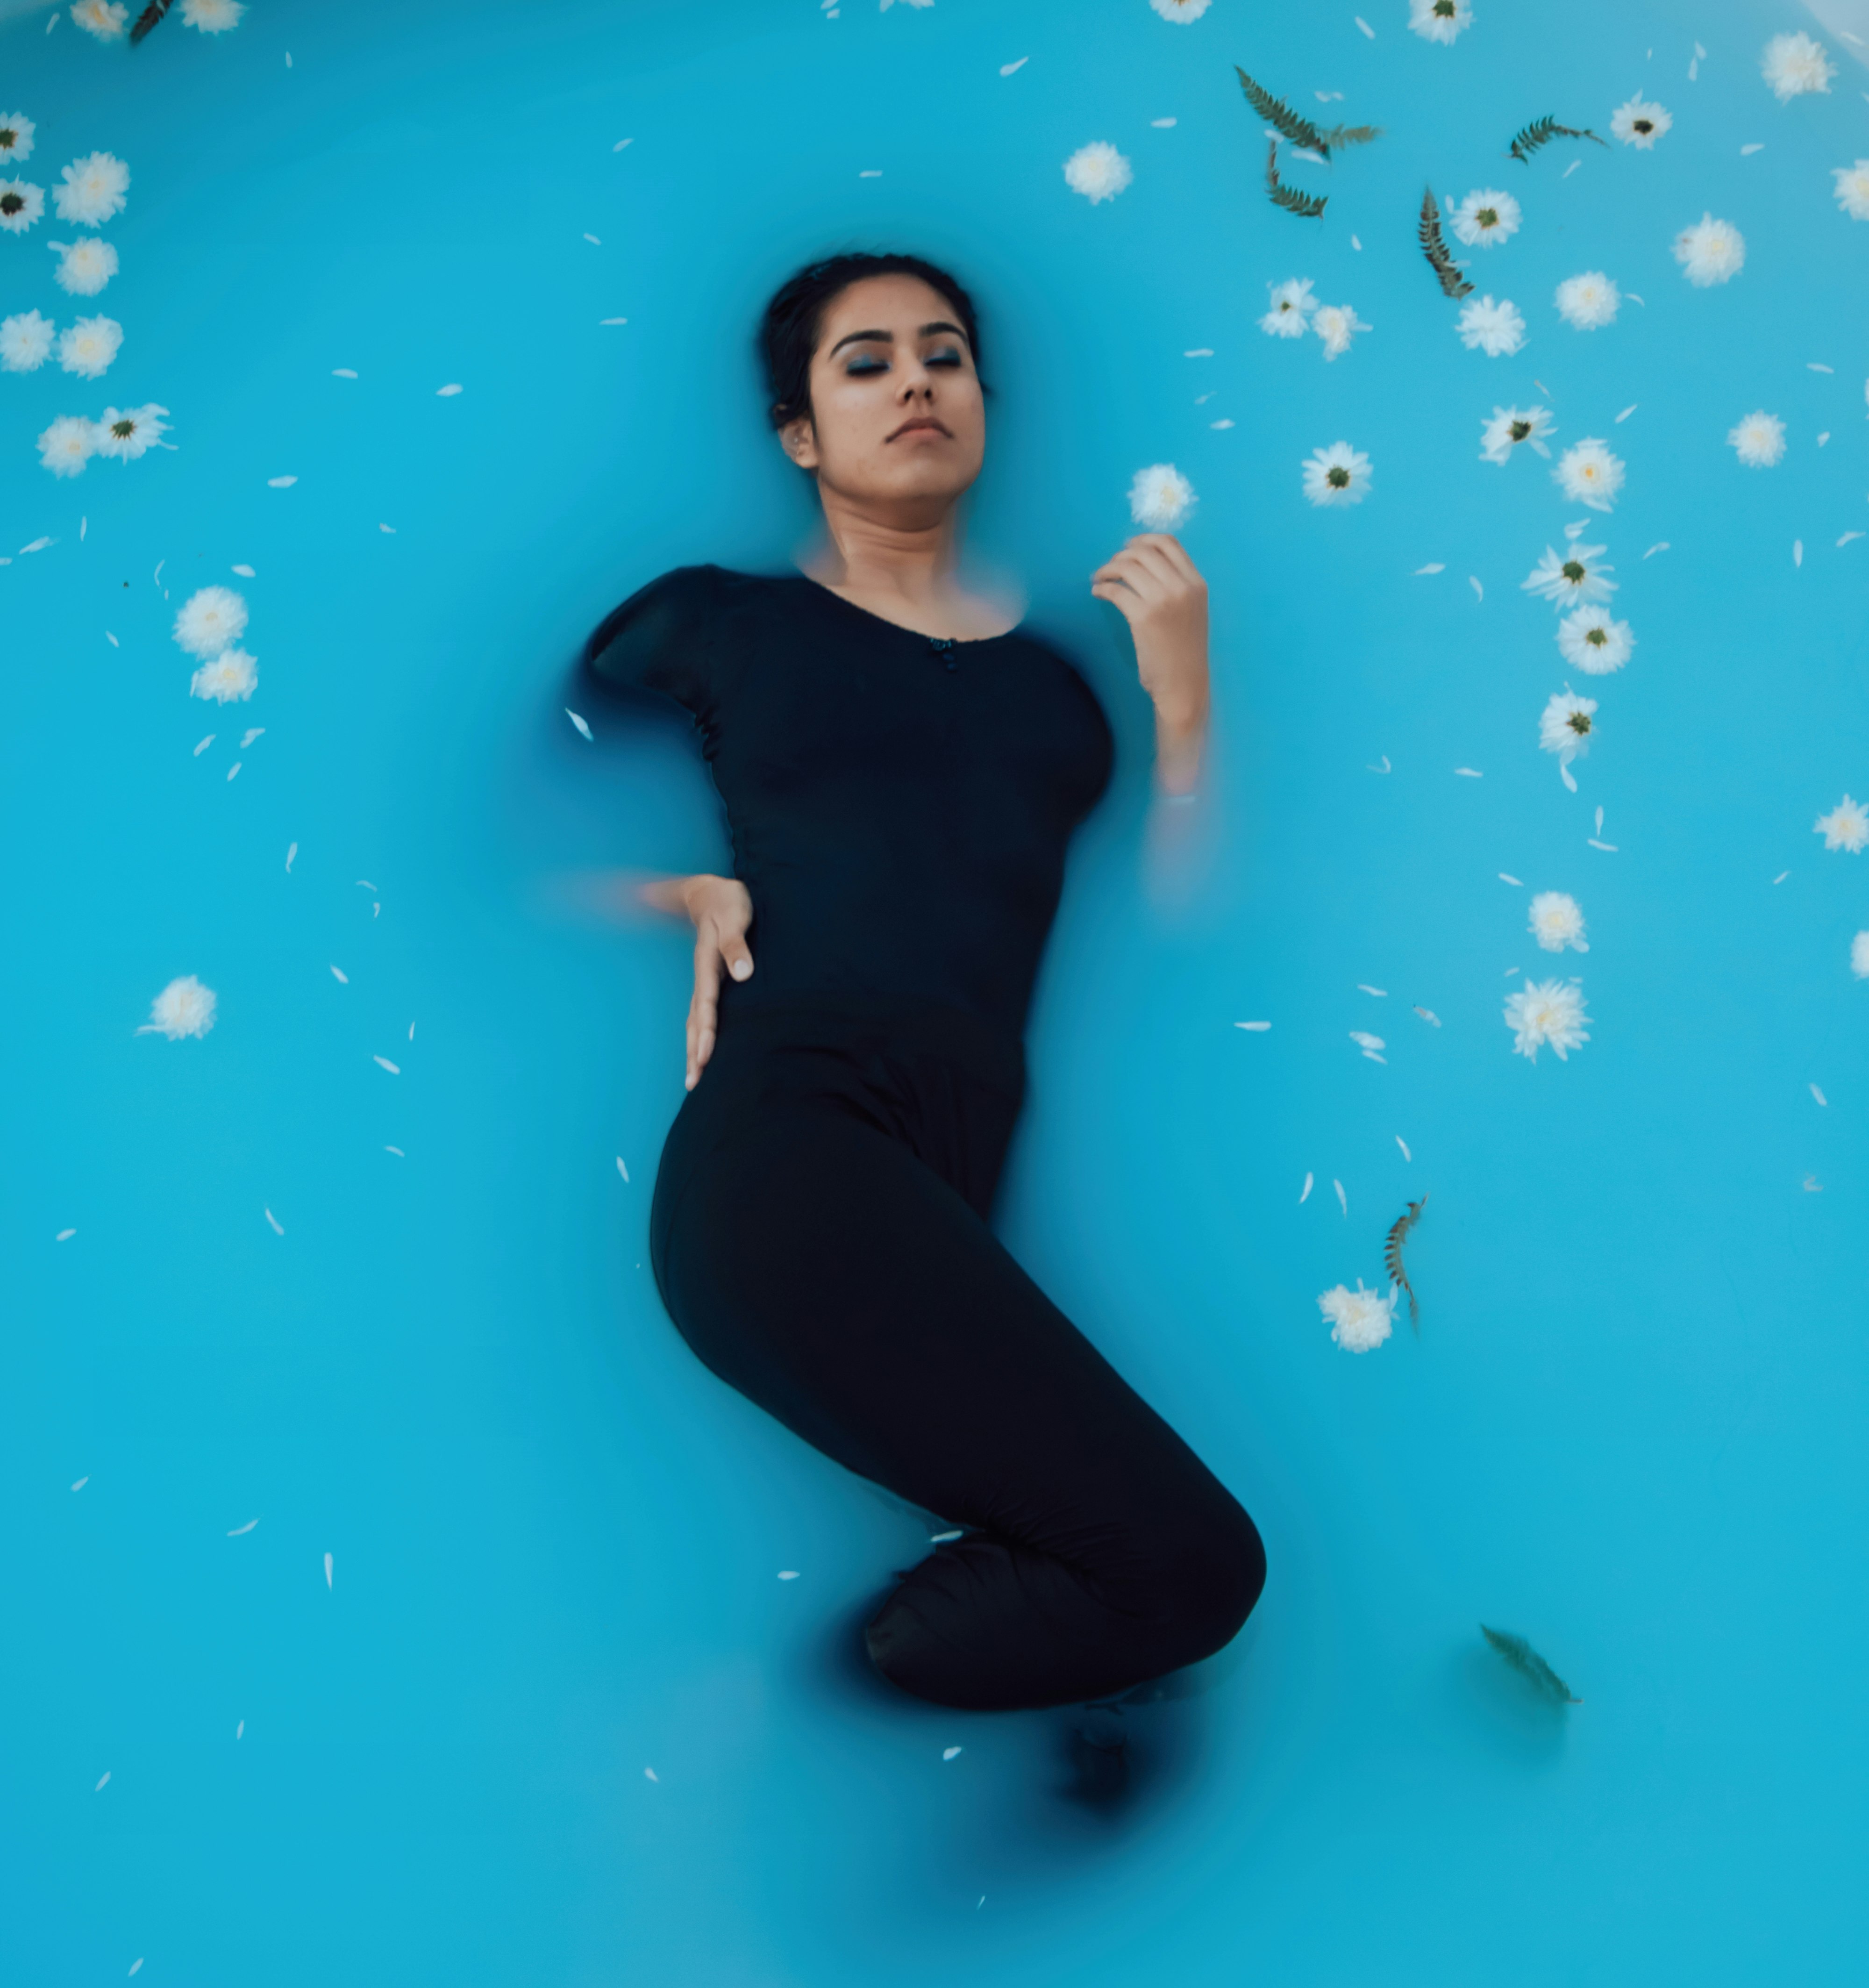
[[819, 1235]]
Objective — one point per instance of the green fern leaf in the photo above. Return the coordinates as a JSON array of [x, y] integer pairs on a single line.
[[1392, 1256], [1309, 205], [1541, 131], [1279, 114], [1530, 1665], [1434, 246], [1340, 135]]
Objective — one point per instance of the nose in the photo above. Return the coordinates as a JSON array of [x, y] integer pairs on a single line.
[[917, 383]]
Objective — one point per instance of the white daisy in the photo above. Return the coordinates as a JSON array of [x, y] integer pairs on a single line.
[[1511, 426], [1589, 301], [1183, 11], [84, 267], [1565, 724], [16, 138], [1852, 189], [1338, 475], [25, 340], [1589, 474], [128, 433], [1439, 20], [1859, 955], [20, 205], [68, 444], [95, 187], [1759, 439], [1573, 578], [1336, 324], [104, 18], [212, 17], [183, 1007], [1486, 217], [1557, 921], [1591, 641], [1160, 498], [1710, 252], [1640, 124], [231, 675], [1794, 65], [1360, 1320], [1098, 171], [1292, 302], [1846, 827], [1550, 1013], [1497, 329], [87, 347], [210, 620]]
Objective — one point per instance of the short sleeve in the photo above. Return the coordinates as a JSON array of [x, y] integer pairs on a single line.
[[661, 638]]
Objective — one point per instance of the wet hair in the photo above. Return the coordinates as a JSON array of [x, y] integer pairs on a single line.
[[789, 332]]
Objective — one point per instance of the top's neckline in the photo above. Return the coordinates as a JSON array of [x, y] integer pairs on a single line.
[[902, 628]]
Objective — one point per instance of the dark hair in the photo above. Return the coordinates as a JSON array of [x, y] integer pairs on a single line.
[[789, 332]]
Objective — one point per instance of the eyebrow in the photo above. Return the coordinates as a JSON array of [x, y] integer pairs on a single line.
[[887, 338]]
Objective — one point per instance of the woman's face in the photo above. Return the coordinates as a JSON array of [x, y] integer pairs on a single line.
[[897, 417]]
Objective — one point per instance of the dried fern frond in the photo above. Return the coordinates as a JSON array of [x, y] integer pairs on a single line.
[[147, 19], [1340, 135], [1530, 1665], [1434, 246], [1392, 1256], [1311, 205], [1541, 132], [1279, 114]]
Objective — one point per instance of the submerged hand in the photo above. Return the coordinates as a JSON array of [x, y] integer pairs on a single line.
[[1160, 592], [721, 909]]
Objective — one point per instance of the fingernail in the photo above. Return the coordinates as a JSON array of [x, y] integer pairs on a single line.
[[740, 968]]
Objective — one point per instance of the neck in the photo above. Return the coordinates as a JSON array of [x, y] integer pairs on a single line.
[[912, 558]]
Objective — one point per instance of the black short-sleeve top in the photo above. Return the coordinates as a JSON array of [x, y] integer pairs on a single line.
[[900, 807]]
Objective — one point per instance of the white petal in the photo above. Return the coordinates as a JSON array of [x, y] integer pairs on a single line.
[[280, 482], [394, 1070], [275, 1220], [238, 1530]]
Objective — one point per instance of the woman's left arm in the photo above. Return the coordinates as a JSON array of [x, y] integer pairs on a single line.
[[1158, 591]]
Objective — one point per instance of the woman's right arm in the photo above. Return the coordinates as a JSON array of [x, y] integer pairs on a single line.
[[721, 910]]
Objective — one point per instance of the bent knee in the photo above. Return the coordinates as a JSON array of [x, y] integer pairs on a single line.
[[1214, 1577]]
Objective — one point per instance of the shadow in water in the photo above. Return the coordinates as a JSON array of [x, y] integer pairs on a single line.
[[1505, 1709]]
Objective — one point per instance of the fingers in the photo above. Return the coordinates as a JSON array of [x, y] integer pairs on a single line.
[[1130, 569], [704, 1009], [1172, 548]]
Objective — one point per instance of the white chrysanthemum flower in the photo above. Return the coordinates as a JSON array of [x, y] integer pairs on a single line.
[[1859, 955], [1640, 124], [212, 17], [1565, 725], [1852, 189], [1794, 65], [87, 347], [1588, 473], [1557, 921], [128, 433], [68, 444], [1758, 441], [232, 675], [1160, 498], [1487, 217], [183, 1007], [212, 619], [16, 138], [1496, 329], [84, 267], [1338, 475], [1183, 11], [1511, 426], [1710, 252], [1360, 1320], [1292, 302], [1589, 301], [25, 340], [1591, 641], [20, 205], [1846, 827], [104, 18], [1550, 1013], [94, 187], [1336, 324], [1573, 578], [1439, 20], [1098, 171]]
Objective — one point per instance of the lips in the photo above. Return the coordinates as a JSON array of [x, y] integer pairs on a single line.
[[923, 421]]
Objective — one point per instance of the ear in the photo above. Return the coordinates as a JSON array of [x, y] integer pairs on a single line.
[[799, 442]]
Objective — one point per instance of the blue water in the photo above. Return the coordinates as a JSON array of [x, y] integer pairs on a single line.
[[1630, 1426]]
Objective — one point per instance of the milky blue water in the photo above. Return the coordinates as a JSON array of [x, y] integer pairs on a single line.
[[1629, 1427]]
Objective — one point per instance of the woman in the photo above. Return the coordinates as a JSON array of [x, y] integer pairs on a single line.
[[902, 769]]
